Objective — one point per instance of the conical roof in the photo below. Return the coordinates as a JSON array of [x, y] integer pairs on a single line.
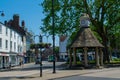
[[85, 38]]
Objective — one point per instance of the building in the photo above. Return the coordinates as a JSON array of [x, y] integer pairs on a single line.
[[85, 40], [28, 40], [63, 47], [12, 42], [30, 56]]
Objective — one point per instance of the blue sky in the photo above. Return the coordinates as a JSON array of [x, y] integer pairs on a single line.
[[29, 10]]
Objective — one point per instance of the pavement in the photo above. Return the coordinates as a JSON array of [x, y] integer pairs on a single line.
[[17, 67], [47, 74]]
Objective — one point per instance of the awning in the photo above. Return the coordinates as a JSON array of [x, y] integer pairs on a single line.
[[20, 54], [4, 54]]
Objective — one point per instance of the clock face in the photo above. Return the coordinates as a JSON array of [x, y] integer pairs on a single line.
[[83, 22]]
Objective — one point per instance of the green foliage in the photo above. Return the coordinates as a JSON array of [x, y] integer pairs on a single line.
[[71, 38], [92, 62], [66, 17], [104, 16], [115, 61], [57, 50], [40, 45], [32, 46]]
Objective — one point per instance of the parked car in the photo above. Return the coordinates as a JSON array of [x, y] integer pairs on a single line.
[[37, 61], [50, 58]]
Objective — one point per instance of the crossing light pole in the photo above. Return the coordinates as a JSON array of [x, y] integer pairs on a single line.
[[40, 56]]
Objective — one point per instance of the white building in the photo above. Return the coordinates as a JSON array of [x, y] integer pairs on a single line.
[[11, 44], [63, 47], [30, 56]]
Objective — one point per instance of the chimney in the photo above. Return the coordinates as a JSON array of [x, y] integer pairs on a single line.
[[5, 22], [23, 24], [16, 20], [9, 23]]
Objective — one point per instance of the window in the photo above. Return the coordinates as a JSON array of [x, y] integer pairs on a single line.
[[10, 45], [22, 39], [0, 42], [6, 31], [14, 46], [18, 38], [0, 29], [14, 35], [6, 44], [10, 33], [18, 49]]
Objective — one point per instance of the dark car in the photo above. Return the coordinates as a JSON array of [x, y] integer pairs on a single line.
[[37, 61]]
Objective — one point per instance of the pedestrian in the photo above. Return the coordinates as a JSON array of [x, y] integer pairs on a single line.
[[9, 64], [21, 63]]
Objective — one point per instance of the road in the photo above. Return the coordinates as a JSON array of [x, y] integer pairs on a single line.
[[31, 72], [106, 74], [27, 70], [45, 65]]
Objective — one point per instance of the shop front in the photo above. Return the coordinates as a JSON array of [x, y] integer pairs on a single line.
[[21, 57], [13, 59], [4, 60]]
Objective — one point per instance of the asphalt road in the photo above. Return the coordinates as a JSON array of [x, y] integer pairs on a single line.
[[109, 74], [86, 78], [32, 69]]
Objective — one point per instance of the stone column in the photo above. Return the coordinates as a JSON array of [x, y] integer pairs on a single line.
[[74, 56], [101, 57], [85, 57], [97, 58]]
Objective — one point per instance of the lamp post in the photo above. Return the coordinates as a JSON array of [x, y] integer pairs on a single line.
[[2, 14], [40, 40], [54, 69]]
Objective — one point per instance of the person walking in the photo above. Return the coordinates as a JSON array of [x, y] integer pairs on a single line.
[[21, 63]]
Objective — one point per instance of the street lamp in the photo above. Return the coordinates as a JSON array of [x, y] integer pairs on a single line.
[[40, 40], [54, 70], [2, 14]]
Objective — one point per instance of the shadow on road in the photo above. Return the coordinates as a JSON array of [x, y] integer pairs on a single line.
[[14, 78]]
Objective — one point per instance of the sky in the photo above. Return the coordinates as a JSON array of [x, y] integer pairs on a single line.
[[28, 10]]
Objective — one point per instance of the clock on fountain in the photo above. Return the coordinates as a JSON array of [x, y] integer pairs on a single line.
[[84, 20]]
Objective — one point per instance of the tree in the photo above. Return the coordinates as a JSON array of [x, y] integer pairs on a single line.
[[38, 46], [104, 16]]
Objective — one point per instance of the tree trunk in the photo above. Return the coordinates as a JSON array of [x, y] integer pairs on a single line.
[[106, 52], [70, 58]]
